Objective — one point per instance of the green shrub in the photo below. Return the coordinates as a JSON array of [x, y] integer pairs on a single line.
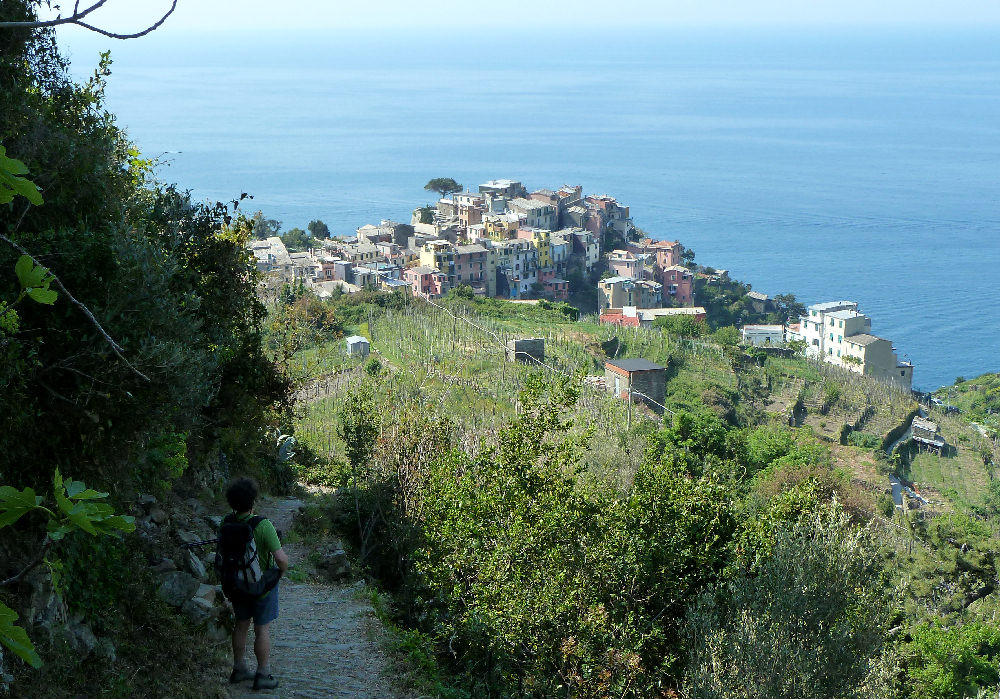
[[808, 620], [865, 440], [531, 585], [885, 505], [955, 662]]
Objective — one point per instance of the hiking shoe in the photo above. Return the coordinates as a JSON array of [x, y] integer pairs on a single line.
[[264, 681], [240, 676]]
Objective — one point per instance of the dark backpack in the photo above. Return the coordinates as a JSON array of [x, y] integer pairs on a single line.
[[237, 563]]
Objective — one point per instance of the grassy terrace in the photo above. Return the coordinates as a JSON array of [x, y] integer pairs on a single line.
[[457, 367], [961, 476], [459, 363]]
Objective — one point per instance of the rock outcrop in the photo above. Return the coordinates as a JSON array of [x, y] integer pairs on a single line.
[[177, 587]]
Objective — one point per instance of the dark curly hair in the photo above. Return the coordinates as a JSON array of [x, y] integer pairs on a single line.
[[241, 494]]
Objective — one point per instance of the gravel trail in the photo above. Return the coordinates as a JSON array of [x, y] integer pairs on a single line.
[[323, 640]]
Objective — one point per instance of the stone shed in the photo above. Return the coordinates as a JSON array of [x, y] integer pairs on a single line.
[[526, 349], [926, 435], [627, 378]]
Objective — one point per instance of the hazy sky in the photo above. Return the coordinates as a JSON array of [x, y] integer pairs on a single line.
[[125, 15]]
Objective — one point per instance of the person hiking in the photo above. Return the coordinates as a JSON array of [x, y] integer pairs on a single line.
[[241, 494]]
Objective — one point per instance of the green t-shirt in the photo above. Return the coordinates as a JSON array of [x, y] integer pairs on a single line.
[[266, 538]]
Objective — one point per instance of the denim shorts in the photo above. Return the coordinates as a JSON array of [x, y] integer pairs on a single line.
[[262, 611]]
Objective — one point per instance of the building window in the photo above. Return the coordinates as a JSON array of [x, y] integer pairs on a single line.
[[831, 337], [841, 324], [840, 338]]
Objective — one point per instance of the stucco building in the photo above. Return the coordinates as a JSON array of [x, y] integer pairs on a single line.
[[838, 333]]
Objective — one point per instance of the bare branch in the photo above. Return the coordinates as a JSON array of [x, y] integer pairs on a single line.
[[72, 19], [115, 347], [77, 19], [31, 564], [136, 35]]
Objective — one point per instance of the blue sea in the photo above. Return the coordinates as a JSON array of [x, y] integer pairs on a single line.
[[858, 165]]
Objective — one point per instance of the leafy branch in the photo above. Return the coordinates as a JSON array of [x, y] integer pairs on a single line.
[[32, 275], [13, 182], [77, 507]]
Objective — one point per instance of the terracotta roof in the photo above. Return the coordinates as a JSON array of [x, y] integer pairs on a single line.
[[620, 319], [631, 365]]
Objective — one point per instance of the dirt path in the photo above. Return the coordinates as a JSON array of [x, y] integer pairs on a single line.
[[322, 642]]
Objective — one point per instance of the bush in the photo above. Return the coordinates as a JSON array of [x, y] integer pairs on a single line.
[[682, 326], [808, 621], [865, 440], [885, 505], [955, 662], [529, 584]]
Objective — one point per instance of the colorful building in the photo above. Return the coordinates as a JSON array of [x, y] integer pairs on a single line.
[[623, 263], [541, 239], [678, 284], [501, 226], [426, 281]]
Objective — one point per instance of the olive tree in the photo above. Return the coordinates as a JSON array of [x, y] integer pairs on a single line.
[[810, 620]]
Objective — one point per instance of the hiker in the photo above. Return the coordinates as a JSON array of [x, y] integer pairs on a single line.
[[259, 563]]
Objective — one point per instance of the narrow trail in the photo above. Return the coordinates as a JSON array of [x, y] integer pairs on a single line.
[[322, 641]]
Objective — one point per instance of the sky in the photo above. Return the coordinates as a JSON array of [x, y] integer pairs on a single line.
[[239, 15]]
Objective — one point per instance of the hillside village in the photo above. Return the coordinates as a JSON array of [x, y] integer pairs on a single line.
[[506, 242]]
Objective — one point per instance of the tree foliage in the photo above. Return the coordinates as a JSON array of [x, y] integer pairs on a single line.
[[809, 621], [319, 230], [77, 508], [953, 662], [443, 186], [682, 326], [537, 586], [296, 240], [137, 348]]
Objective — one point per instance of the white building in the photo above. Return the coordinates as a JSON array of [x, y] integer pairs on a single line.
[[763, 335], [814, 325], [272, 257], [840, 334], [647, 316], [536, 214]]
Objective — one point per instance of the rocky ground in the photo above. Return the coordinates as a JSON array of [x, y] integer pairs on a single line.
[[326, 639]]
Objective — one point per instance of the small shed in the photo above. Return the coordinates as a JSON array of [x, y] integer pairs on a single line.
[[763, 335], [358, 345], [637, 379], [926, 436], [526, 350]]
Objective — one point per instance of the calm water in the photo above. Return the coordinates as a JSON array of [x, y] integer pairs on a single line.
[[861, 166]]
